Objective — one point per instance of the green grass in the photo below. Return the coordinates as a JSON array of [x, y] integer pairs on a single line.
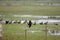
[[34, 10], [10, 31], [9, 11]]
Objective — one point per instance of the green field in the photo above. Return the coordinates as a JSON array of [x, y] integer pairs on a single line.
[[18, 31], [33, 10], [9, 11]]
